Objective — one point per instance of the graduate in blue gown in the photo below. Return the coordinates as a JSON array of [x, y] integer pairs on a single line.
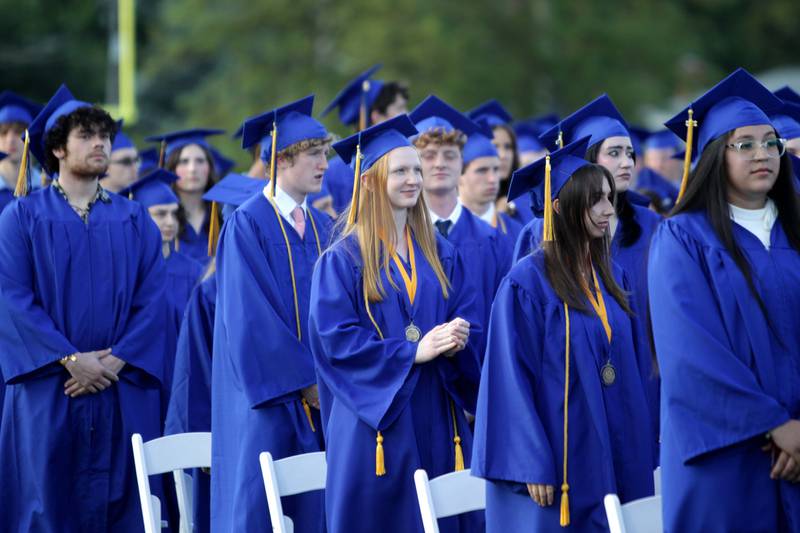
[[725, 292], [81, 334], [16, 113], [496, 121], [190, 401], [364, 101], [123, 164], [392, 324], [787, 123], [443, 132], [550, 455], [479, 186], [189, 155], [264, 395]]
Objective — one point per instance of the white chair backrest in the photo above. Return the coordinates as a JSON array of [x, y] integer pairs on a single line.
[[448, 495], [657, 481], [287, 477], [169, 454], [639, 516]]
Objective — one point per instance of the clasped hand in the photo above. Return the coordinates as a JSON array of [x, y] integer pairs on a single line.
[[445, 339], [92, 372]]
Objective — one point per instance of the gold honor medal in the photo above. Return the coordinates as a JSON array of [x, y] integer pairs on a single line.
[[609, 374], [413, 333]]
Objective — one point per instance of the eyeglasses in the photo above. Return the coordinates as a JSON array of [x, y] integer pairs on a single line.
[[126, 161], [772, 147]]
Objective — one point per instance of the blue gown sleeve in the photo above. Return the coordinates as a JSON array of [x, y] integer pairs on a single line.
[[366, 372], [710, 394], [29, 340], [264, 351], [143, 342], [510, 442]]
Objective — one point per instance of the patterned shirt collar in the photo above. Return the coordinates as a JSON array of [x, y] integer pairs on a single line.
[[101, 194]]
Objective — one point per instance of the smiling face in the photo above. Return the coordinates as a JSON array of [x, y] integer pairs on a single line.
[[752, 170], [404, 180], [616, 154]]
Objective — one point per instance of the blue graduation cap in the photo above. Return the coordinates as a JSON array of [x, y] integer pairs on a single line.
[[148, 160], [234, 189], [787, 120], [152, 189], [490, 114], [356, 99], [638, 134], [14, 108], [478, 145], [61, 103], [787, 94], [528, 132], [663, 139], [365, 148], [280, 128], [599, 119], [222, 165], [121, 140], [3, 155], [737, 101], [178, 139], [433, 113]]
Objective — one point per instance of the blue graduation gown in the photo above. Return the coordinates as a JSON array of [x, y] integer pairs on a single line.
[[368, 384], [338, 180], [523, 212], [647, 178], [183, 274], [489, 256], [70, 287], [190, 401], [260, 366], [729, 375], [195, 244], [528, 239], [6, 196], [519, 423]]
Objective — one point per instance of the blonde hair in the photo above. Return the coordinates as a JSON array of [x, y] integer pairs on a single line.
[[377, 235]]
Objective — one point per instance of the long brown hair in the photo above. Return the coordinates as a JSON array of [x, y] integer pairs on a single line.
[[377, 234], [564, 254], [171, 164]]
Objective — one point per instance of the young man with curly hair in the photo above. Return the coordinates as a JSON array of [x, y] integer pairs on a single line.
[[81, 334]]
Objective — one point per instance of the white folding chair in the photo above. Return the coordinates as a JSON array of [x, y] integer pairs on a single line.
[[657, 481], [448, 495], [287, 477], [173, 453], [639, 516]]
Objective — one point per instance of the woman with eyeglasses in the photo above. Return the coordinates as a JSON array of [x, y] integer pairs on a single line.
[[724, 282], [122, 165]]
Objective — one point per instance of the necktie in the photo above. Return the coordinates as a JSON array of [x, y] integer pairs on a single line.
[[443, 226], [299, 217]]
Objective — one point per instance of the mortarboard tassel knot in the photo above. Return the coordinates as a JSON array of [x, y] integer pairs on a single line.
[[691, 124], [380, 467], [22, 177]]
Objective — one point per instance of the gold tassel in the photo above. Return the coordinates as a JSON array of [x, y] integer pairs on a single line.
[[380, 467], [162, 153], [548, 203], [22, 176], [362, 111], [459, 463], [351, 218], [691, 124], [564, 522], [272, 160], [307, 409], [213, 230]]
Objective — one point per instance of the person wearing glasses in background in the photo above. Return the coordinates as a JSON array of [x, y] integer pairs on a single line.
[[724, 281], [123, 164]]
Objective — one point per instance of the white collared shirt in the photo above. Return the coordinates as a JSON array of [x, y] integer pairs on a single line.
[[488, 216], [454, 216], [285, 203]]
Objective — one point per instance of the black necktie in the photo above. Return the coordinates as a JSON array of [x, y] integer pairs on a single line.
[[443, 226]]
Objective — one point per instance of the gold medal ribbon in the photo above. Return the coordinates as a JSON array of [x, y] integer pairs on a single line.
[[409, 281], [599, 304]]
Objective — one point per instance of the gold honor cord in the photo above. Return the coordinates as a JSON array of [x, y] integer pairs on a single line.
[[564, 521], [497, 220], [691, 124], [306, 407], [410, 282], [599, 304]]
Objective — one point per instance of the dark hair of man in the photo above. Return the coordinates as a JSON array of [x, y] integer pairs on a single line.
[[16, 126], [565, 254], [707, 190], [629, 228], [171, 164], [388, 94], [92, 118], [505, 181]]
